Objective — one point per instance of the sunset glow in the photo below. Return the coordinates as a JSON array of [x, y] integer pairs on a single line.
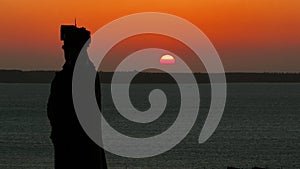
[[255, 36], [167, 60]]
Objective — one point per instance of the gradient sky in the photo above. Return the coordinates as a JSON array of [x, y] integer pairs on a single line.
[[249, 35]]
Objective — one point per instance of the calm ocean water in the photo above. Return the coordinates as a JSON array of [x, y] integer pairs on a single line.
[[260, 127]]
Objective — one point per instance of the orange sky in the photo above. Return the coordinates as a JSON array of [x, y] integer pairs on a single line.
[[250, 35]]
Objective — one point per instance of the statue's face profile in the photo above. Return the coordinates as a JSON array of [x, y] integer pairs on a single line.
[[74, 40]]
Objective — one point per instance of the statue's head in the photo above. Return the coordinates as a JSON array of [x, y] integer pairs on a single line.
[[74, 39]]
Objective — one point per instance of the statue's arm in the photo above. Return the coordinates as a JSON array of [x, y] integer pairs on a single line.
[[51, 102]]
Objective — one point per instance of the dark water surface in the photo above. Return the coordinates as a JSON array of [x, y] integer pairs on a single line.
[[260, 127]]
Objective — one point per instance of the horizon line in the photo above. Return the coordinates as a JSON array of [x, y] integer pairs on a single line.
[[271, 72]]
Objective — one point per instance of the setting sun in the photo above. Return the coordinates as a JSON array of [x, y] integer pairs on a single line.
[[167, 60]]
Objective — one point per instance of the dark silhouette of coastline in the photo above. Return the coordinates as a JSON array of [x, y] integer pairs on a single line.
[[18, 76], [72, 147]]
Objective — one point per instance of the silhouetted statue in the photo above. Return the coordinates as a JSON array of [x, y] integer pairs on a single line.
[[72, 147]]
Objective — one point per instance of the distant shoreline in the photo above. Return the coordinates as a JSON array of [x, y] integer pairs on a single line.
[[18, 76]]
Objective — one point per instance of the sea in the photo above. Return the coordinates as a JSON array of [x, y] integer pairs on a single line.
[[260, 127]]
